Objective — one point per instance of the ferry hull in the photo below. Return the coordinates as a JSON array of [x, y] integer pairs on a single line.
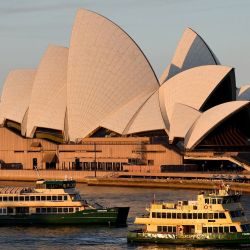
[[205, 239], [116, 216]]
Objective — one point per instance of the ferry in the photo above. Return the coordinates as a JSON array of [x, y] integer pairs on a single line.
[[55, 202], [215, 218]]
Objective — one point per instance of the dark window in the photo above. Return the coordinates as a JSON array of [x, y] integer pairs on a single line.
[[195, 215], [59, 198], [174, 215], [153, 215], [163, 215], [159, 228], [158, 215], [213, 201], [216, 216], [49, 209], [215, 230], [219, 201], [226, 229], [169, 215], [222, 216], [190, 216], [221, 230], [27, 198], [165, 229], [54, 209], [204, 230], [178, 216], [206, 201], [38, 210], [48, 198], [210, 216], [38, 198], [1, 198], [65, 210], [10, 198], [54, 198], [233, 229], [43, 210], [15, 198], [71, 210], [210, 230], [21, 198], [199, 215], [205, 216], [59, 210], [4, 198], [184, 216], [174, 229], [43, 198], [32, 198], [65, 197]]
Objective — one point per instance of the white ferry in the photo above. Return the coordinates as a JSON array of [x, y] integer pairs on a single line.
[[54, 202], [214, 218]]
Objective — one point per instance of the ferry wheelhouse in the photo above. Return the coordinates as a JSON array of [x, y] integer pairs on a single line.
[[214, 218], [54, 202]]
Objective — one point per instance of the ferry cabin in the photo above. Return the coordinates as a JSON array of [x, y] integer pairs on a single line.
[[211, 213], [48, 197]]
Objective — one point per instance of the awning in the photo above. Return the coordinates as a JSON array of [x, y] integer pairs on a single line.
[[50, 157]]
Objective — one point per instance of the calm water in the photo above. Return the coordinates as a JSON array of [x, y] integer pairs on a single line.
[[102, 237]]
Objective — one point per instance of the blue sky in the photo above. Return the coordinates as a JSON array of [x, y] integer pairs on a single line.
[[27, 27]]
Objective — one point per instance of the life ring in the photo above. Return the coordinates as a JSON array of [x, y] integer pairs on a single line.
[[206, 207]]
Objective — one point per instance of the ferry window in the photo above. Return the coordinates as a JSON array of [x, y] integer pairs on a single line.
[[65, 210], [190, 216], [163, 215], [213, 201], [59, 210], [216, 216], [38, 198], [49, 209], [178, 216], [10, 198], [210, 216], [21, 198], [215, 230], [27, 198], [43, 198], [65, 197], [1, 198], [174, 229], [169, 215], [170, 229], [1, 210], [15, 198], [207, 201], [54, 209], [222, 216], [38, 210], [242, 213], [77, 209], [71, 210], [205, 216], [184, 216], [48, 198], [221, 230], [59, 198], [153, 215], [32, 198], [54, 198], [158, 215], [204, 230], [199, 215], [174, 215], [233, 229], [159, 228], [226, 229], [209, 229], [165, 229], [195, 215], [219, 201], [4, 198], [4, 210], [43, 210]]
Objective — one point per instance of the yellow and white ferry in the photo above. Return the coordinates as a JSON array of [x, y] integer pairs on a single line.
[[214, 218], [54, 202]]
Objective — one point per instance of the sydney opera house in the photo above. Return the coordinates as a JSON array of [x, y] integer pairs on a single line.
[[98, 104]]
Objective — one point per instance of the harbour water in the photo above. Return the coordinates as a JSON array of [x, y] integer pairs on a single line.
[[72, 237]]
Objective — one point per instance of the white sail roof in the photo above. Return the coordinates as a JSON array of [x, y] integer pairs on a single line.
[[106, 70], [48, 99], [210, 119]]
